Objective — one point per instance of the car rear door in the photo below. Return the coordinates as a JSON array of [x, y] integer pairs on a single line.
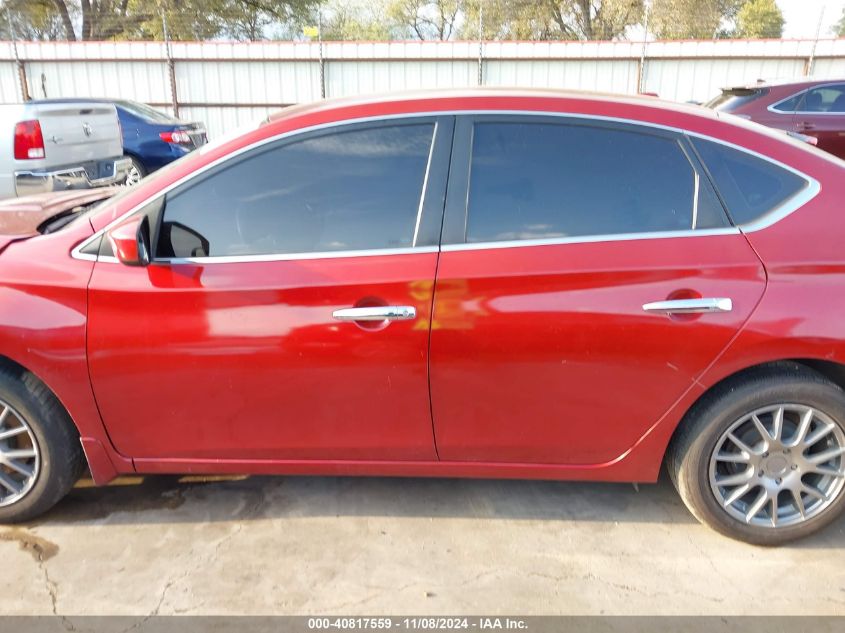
[[821, 114], [588, 276], [286, 314]]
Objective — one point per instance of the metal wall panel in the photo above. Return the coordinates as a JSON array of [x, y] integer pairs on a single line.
[[227, 84], [9, 85], [701, 79], [140, 80], [359, 77], [829, 67], [247, 82], [588, 74]]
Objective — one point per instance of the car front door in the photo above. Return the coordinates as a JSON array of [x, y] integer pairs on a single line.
[[286, 312], [588, 276], [821, 114]]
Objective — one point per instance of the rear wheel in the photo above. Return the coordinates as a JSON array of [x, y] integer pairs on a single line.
[[136, 172], [40, 454], [763, 459]]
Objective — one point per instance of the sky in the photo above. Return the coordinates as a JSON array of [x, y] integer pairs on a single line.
[[802, 16]]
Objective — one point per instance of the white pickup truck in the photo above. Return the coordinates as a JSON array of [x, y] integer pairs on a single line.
[[59, 146]]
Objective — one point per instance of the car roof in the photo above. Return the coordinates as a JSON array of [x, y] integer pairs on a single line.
[[115, 102], [785, 83], [429, 95]]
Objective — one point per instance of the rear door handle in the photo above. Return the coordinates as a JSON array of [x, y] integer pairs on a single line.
[[376, 313], [690, 306], [804, 125]]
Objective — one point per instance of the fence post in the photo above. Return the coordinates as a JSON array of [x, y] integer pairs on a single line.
[[481, 43], [641, 66], [171, 68], [808, 68], [18, 61], [320, 48]]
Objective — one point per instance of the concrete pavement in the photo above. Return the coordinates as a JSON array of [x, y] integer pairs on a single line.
[[308, 545]]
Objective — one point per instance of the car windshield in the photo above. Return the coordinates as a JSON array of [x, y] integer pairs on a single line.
[[148, 113], [733, 98]]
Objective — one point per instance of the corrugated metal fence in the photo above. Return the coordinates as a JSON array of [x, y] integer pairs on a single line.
[[227, 84]]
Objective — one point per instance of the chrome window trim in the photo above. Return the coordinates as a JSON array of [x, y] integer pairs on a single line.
[[239, 259], [775, 215], [589, 239], [771, 107], [424, 184]]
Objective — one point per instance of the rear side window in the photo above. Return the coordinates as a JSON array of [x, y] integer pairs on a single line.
[[350, 190], [789, 105], [548, 180], [750, 186]]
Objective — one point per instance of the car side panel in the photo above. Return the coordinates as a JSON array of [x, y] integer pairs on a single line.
[[43, 311]]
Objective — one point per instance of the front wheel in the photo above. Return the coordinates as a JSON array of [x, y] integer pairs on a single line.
[[40, 454], [763, 459]]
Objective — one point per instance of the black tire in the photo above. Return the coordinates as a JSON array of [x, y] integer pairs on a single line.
[[139, 167], [60, 452], [688, 456]]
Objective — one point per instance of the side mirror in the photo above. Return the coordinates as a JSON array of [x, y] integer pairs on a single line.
[[130, 241]]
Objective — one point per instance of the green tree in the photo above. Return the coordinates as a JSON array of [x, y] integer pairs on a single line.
[[355, 21], [759, 18], [31, 20], [691, 19], [424, 19], [552, 19], [839, 27], [142, 19]]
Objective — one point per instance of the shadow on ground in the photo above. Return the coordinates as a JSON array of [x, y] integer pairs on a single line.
[[181, 499]]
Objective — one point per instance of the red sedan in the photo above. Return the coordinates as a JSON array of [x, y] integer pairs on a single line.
[[812, 108], [475, 284]]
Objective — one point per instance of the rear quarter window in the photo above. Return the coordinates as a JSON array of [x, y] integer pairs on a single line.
[[751, 187], [733, 98]]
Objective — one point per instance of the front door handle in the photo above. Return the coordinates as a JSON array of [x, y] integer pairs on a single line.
[[690, 306], [376, 313]]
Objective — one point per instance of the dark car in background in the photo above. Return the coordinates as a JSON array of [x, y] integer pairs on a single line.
[[151, 138], [815, 108]]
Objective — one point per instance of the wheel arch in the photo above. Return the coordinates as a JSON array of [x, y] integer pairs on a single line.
[[832, 370], [99, 463]]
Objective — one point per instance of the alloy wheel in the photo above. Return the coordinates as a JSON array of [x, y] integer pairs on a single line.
[[133, 176], [779, 465], [20, 460]]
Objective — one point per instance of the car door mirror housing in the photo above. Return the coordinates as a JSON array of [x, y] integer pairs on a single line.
[[130, 241]]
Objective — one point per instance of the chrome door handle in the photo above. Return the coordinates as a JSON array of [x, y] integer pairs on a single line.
[[690, 306], [376, 313]]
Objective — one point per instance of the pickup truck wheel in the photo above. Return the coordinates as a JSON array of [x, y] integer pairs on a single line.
[[763, 460], [40, 454], [136, 172]]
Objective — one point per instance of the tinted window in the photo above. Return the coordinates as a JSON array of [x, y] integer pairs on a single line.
[[733, 98], [548, 180], [789, 105], [750, 186], [145, 112], [825, 99], [350, 190]]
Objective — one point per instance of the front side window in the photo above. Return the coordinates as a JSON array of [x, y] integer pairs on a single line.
[[349, 190], [537, 180], [750, 186], [825, 99]]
